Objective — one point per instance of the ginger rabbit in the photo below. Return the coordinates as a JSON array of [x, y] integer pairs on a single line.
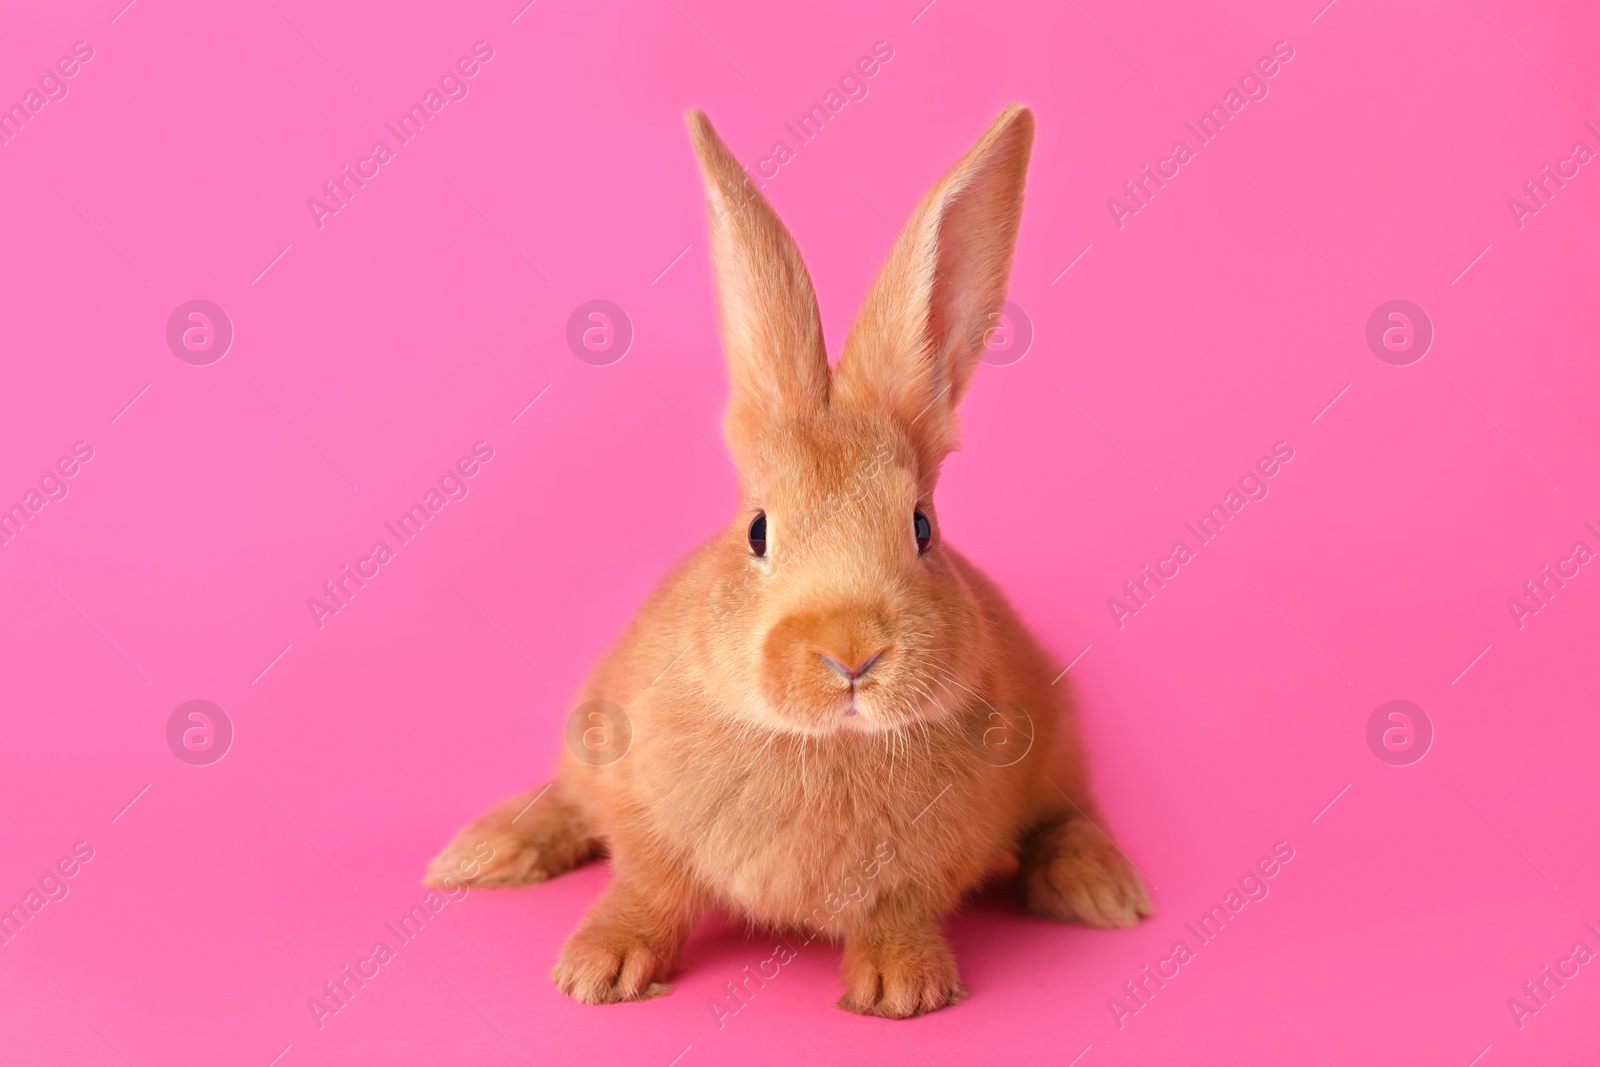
[[826, 680]]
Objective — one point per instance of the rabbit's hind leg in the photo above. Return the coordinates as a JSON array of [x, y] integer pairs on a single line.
[[526, 839]]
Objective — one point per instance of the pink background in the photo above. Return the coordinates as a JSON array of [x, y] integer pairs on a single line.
[[426, 315]]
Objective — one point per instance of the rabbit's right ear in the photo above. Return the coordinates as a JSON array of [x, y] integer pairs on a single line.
[[922, 330], [771, 331]]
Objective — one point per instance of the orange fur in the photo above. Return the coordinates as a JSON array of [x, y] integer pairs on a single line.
[[750, 785]]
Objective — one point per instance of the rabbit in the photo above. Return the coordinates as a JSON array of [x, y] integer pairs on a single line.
[[827, 718]]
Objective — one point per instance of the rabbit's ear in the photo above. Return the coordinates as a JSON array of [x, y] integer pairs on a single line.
[[919, 335], [771, 331]]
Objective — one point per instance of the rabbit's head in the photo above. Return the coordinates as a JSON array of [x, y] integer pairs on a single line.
[[837, 605]]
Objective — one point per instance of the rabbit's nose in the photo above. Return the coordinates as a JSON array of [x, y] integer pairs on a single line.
[[851, 674]]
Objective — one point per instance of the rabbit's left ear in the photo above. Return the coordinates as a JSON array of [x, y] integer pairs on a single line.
[[771, 330], [921, 331]]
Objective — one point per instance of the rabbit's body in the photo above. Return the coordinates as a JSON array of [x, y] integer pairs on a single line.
[[778, 825], [826, 718]]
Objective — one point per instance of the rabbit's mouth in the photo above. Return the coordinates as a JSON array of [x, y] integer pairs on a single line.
[[865, 710], [851, 718], [857, 669]]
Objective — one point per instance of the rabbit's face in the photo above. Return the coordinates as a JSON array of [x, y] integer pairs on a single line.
[[840, 609], [853, 615]]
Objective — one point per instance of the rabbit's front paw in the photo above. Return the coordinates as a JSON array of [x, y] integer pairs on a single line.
[[1072, 872], [602, 965], [900, 977]]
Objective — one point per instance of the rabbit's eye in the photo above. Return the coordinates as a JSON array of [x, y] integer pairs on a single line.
[[924, 530], [758, 534]]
